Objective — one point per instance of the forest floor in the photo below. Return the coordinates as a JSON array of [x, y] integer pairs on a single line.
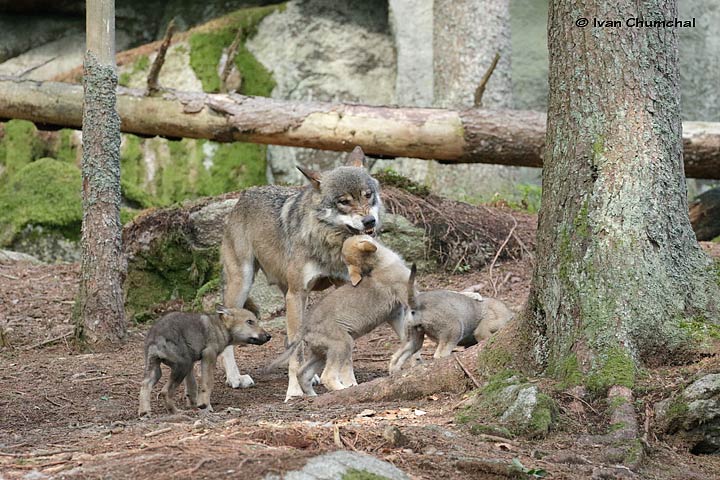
[[66, 414]]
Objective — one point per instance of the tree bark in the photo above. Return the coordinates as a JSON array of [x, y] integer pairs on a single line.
[[100, 310], [618, 270], [507, 137]]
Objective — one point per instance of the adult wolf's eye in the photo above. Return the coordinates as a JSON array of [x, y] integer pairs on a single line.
[[368, 195], [344, 201], [250, 322]]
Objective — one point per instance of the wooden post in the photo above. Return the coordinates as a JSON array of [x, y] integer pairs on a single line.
[[100, 315]]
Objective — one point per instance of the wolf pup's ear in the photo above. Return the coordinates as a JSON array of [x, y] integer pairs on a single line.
[[311, 175], [221, 309], [356, 158], [367, 246], [355, 274]]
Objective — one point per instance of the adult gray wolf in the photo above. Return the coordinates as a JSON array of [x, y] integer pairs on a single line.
[[295, 237], [450, 319], [377, 293], [180, 339]]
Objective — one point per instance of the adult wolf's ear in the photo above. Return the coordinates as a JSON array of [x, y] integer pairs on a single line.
[[356, 158], [311, 175]]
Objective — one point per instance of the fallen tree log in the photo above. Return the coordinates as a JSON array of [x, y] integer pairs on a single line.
[[507, 137], [705, 215]]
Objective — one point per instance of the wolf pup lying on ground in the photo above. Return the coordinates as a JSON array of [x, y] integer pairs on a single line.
[[295, 236], [378, 293], [450, 319], [181, 339]]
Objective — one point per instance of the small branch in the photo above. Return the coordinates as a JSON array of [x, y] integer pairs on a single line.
[[467, 372], [158, 432], [483, 83], [152, 80], [230, 60], [497, 255], [51, 340]]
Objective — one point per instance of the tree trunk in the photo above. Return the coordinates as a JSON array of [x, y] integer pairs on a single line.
[[618, 272], [508, 137], [100, 310]]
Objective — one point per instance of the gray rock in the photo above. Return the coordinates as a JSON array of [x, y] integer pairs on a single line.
[[208, 223], [47, 246], [409, 241], [521, 409], [695, 414], [335, 465], [331, 50], [8, 257]]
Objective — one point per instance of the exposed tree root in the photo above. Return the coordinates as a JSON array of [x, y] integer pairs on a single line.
[[623, 443], [444, 375]]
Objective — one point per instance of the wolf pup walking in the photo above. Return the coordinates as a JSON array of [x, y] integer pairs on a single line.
[[181, 339], [295, 237]]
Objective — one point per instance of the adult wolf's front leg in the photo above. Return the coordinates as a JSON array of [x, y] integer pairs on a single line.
[[295, 304]]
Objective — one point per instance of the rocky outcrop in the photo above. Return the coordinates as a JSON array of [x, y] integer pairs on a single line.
[[330, 50]]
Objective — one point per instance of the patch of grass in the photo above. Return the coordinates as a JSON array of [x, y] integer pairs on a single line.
[[141, 64], [20, 145], [355, 474], [392, 178]]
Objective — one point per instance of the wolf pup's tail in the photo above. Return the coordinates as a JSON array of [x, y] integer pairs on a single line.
[[284, 357]]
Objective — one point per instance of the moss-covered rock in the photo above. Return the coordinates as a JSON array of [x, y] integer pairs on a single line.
[[19, 145], [509, 402], [43, 193]]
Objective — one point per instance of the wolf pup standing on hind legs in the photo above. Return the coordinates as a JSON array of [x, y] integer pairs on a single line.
[[295, 236]]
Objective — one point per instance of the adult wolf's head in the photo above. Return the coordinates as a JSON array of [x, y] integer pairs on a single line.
[[347, 197]]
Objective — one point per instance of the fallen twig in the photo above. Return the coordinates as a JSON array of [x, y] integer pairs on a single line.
[[568, 394], [51, 340], [497, 255], [467, 372], [230, 59], [480, 90], [9, 277], [158, 432], [152, 80]]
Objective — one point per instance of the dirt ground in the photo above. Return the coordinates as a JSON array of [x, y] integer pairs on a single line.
[[67, 414]]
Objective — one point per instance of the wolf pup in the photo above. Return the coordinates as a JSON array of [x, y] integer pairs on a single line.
[[181, 339], [295, 236], [451, 319], [377, 294]]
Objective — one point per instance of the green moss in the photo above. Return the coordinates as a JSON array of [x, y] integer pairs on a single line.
[[480, 429], [617, 426], [206, 49], [20, 145], [235, 166], [168, 270], [67, 151], [355, 474], [699, 329], [141, 64], [582, 228], [615, 367], [212, 286], [494, 358], [567, 371], [676, 413], [128, 214], [541, 419], [45, 192], [391, 178]]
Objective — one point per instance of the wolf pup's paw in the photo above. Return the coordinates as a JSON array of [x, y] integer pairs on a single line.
[[241, 381]]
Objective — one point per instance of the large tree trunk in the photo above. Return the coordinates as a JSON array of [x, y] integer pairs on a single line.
[[506, 137], [101, 314], [618, 270]]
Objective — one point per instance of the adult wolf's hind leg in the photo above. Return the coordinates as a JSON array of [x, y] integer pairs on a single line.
[[238, 273]]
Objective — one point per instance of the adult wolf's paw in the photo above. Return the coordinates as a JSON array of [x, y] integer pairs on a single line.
[[241, 381]]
